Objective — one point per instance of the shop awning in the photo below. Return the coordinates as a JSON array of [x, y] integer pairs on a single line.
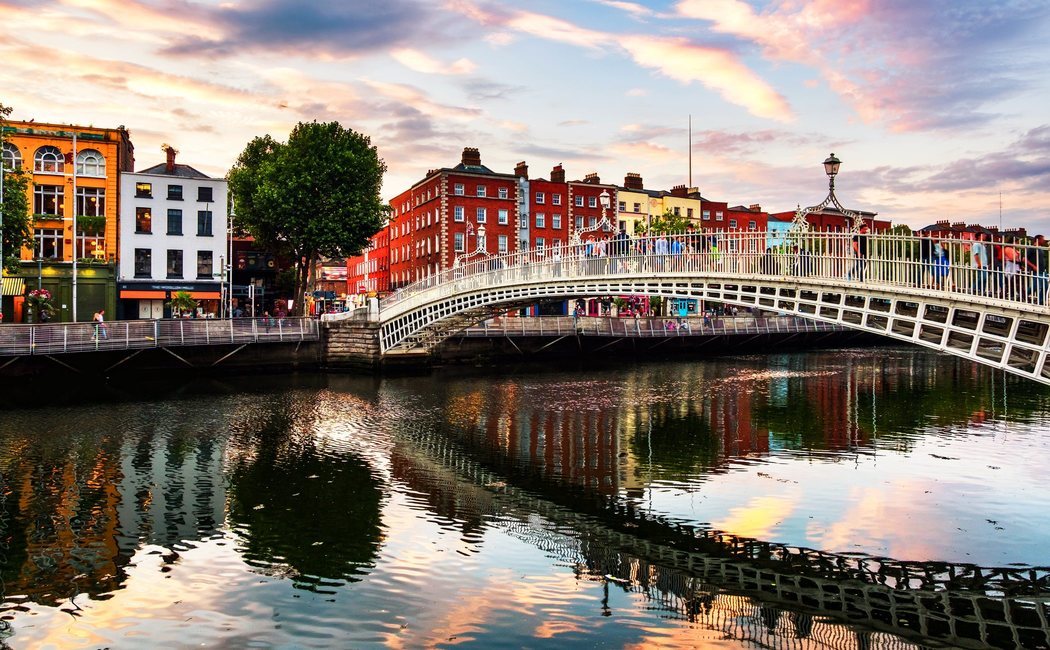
[[205, 295], [144, 295], [13, 287]]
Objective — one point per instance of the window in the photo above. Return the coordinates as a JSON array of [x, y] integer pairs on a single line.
[[481, 190], [541, 220], [689, 213], [91, 245], [481, 215], [91, 201], [12, 157], [504, 193], [47, 199], [623, 206], [143, 263], [143, 221], [204, 265], [504, 217], [457, 213], [91, 163], [592, 201], [555, 243], [204, 223], [677, 211], [719, 216], [458, 242], [540, 243], [174, 192], [706, 215], [501, 244], [555, 199], [592, 222], [540, 198], [732, 223], [637, 207], [174, 264], [174, 222], [143, 190], [49, 160], [578, 200], [579, 222], [752, 225], [458, 189], [49, 243], [204, 195], [556, 221]]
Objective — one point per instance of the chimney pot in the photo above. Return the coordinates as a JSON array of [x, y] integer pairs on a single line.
[[633, 181], [471, 157], [521, 170], [170, 166]]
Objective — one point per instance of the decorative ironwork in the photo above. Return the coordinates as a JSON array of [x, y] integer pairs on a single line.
[[800, 224]]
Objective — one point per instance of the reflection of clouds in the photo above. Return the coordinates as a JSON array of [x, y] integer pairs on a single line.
[[758, 517]]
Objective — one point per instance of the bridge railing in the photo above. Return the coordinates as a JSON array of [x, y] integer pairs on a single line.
[[644, 327], [1006, 271], [59, 338]]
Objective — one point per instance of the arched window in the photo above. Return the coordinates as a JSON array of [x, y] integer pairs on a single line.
[[12, 157], [91, 163], [49, 160]]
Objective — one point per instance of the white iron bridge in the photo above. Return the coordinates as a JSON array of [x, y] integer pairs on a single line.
[[943, 294]]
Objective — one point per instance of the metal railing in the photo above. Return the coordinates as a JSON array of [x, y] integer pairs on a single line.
[[59, 338], [1004, 272], [630, 327]]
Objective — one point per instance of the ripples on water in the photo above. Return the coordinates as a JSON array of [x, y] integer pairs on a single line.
[[715, 504]]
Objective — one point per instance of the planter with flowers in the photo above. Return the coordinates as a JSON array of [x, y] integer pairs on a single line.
[[40, 306]]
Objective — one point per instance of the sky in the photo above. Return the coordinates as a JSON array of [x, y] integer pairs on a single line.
[[937, 108]]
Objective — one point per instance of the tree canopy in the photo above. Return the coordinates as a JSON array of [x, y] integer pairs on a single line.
[[14, 211], [665, 224], [315, 196]]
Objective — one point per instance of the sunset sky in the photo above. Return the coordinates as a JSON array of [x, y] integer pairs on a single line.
[[936, 107]]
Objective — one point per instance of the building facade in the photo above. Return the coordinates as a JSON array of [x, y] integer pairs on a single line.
[[74, 197], [451, 216], [173, 237], [368, 274]]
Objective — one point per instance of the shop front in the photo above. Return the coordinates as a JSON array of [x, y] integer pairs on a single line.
[[151, 300]]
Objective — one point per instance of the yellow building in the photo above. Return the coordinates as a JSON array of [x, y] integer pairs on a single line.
[[638, 206], [71, 168]]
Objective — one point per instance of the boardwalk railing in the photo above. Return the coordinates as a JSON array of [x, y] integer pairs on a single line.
[[645, 327], [1001, 272], [21, 340]]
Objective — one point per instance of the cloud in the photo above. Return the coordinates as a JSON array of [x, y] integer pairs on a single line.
[[634, 9], [911, 65], [420, 62], [677, 58]]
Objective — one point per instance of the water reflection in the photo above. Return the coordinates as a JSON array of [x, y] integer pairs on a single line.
[[673, 504]]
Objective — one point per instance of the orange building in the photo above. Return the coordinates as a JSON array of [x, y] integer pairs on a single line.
[[72, 169]]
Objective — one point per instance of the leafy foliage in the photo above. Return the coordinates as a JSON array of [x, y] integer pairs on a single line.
[[182, 301], [14, 212], [665, 224], [314, 197]]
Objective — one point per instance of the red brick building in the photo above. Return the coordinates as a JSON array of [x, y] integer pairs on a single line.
[[369, 272], [831, 220], [548, 208], [585, 205], [452, 212], [751, 218]]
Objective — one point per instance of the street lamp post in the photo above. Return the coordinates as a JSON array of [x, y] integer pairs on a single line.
[[606, 200], [831, 168]]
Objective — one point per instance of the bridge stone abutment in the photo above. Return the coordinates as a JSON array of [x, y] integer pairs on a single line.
[[354, 345]]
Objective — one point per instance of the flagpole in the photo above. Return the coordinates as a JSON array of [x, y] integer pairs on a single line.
[[74, 226]]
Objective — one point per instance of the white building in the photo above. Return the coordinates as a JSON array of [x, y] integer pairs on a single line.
[[173, 237]]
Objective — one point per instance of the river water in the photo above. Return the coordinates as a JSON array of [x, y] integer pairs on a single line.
[[858, 498]]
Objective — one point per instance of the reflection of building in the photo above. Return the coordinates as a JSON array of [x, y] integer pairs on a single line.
[[173, 231], [71, 168]]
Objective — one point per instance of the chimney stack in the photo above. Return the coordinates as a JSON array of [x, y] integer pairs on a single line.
[[471, 157], [592, 179], [755, 207], [558, 174], [521, 170], [678, 191], [633, 181], [170, 166]]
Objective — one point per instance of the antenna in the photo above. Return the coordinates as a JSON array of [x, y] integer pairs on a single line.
[[1000, 210], [690, 151]]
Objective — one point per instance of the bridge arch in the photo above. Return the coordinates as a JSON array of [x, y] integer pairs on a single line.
[[958, 318]]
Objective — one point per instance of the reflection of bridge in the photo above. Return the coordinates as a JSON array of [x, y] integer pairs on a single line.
[[742, 587], [898, 288]]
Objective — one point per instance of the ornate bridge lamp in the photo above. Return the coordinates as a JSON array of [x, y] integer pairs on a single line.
[[831, 167], [481, 249], [606, 200]]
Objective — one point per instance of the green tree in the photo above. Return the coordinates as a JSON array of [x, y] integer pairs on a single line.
[[182, 301], [314, 197], [16, 230], [665, 224]]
